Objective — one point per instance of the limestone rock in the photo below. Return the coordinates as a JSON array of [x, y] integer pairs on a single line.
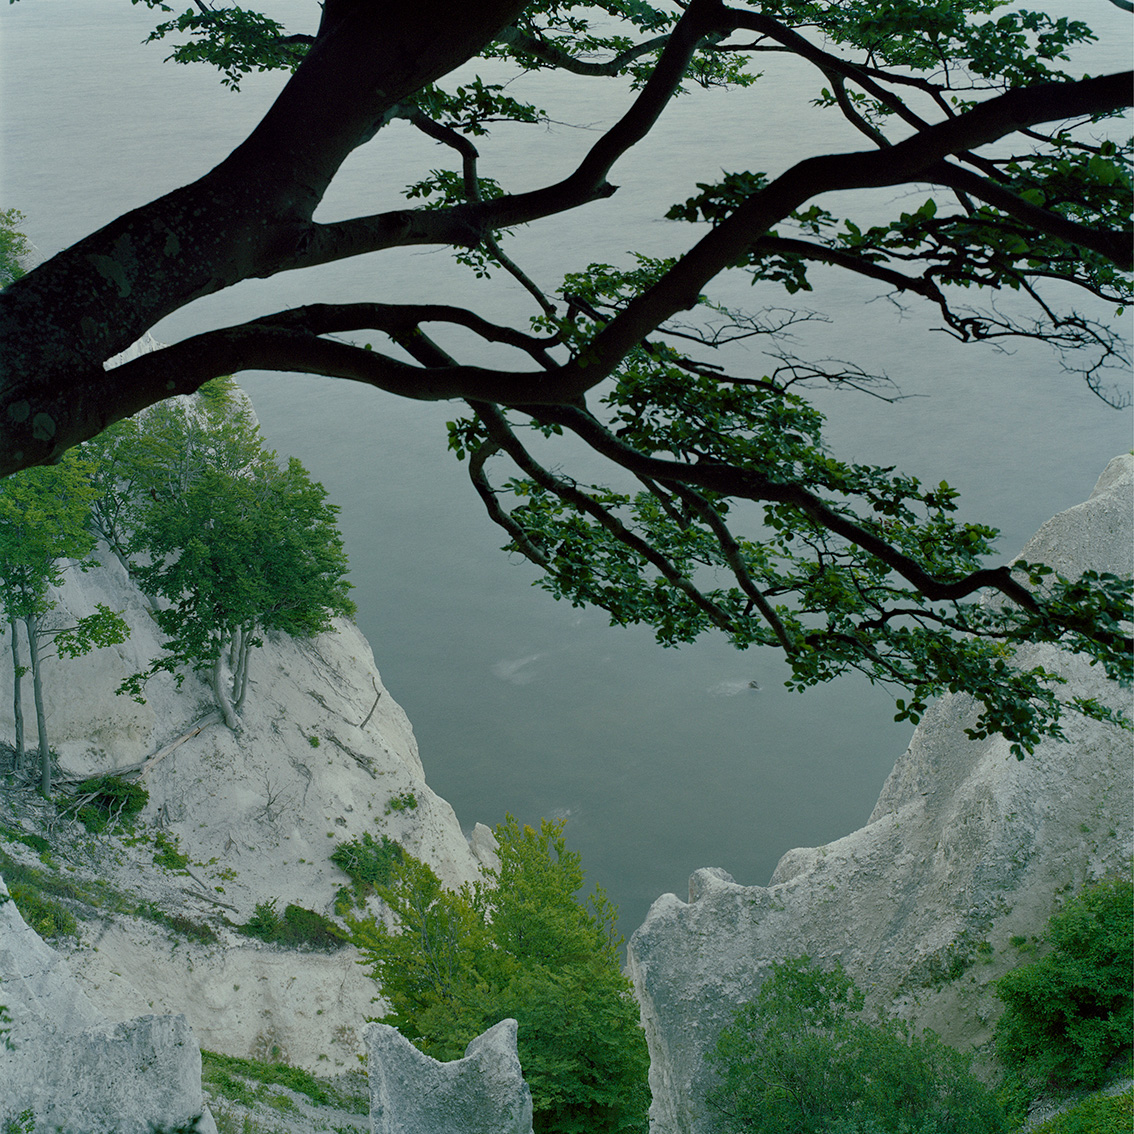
[[76, 1072], [483, 1093], [966, 848]]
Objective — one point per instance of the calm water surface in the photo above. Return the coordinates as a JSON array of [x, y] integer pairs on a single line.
[[663, 760]]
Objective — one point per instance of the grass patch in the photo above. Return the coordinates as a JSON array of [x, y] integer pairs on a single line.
[[45, 885], [1099, 1114], [244, 1081], [48, 917], [367, 862]]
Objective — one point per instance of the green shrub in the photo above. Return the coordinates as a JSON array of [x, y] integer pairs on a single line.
[[296, 927], [524, 947], [167, 852], [114, 797], [1070, 1013], [406, 801], [368, 862], [803, 1057]]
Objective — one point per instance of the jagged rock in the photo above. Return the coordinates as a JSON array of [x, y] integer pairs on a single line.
[[483, 1093], [966, 849], [76, 1072]]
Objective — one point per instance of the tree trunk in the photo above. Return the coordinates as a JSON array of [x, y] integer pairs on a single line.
[[31, 625], [17, 690], [223, 700], [240, 677]]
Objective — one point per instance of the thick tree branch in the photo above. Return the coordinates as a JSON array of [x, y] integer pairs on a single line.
[[918, 157]]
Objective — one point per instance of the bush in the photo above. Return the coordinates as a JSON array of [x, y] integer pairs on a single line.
[[368, 862], [802, 1057], [167, 853], [295, 928], [114, 797], [1068, 1015]]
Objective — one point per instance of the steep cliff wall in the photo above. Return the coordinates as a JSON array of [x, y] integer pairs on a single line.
[[966, 848], [258, 813]]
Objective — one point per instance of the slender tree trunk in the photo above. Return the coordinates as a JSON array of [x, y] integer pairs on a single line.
[[17, 689], [31, 625], [240, 678], [223, 700]]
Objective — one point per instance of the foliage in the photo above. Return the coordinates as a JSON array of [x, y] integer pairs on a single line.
[[295, 928], [168, 853], [114, 797], [802, 1058], [1070, 1014], [232, 543], [1099, 1114], [520, 946], [404, 801], [14, 246], [48, 917], [368, 862], [723, 508]]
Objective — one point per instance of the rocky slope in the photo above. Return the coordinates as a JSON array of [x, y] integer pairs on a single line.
[[967, 852], [324, 755]]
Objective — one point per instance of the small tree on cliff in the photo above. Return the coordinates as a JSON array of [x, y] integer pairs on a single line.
[[740, 519], [522, 947], [231, 543], [43, 525]]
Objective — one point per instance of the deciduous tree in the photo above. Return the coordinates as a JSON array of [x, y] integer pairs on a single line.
[[724, 508], [522, 946], [229, 544], [43, 530]]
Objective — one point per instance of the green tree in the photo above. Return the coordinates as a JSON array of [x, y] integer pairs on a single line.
[[1070, 1014], [231, 543], [43, 529], [737, 517], [520, 946], [802, 1058]]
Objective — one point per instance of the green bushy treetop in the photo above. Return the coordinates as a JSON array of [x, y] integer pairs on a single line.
[[984, 182], [802, 1057], [229, 543], [520, 946], [1069, 1015]]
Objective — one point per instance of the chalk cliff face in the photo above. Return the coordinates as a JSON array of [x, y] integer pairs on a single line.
[[72, 1069], [966, 848], [322, 753]]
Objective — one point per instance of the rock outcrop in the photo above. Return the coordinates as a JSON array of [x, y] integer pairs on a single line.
[[483, 1093], [72, 1070], [966, 850]]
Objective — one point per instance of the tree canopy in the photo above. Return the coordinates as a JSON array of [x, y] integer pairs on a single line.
[[228, 543], [519, 945], [723, 507]]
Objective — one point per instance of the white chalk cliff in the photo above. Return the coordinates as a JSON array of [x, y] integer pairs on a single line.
[[966, 849], [258, 812]]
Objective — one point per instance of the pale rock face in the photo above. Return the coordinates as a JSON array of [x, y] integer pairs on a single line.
[[966, 848], [258, 812], [483, 1093], [75, 1071]]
